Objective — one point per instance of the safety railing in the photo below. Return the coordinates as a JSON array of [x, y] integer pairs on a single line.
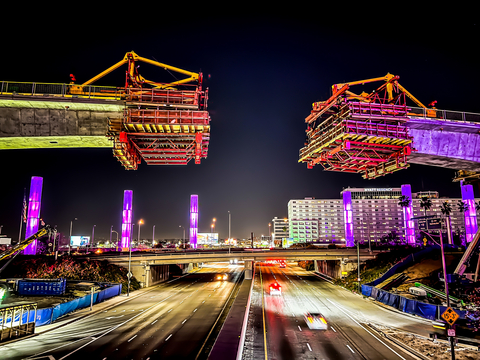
[[171, 117], [60, 90], [436, 114]]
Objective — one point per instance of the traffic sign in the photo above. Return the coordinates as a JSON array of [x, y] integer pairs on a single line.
[[451, 332], [450, 316], [129, 275]]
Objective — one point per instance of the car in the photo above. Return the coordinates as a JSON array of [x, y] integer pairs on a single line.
[[221, 277], [316, 321], [275, 289]]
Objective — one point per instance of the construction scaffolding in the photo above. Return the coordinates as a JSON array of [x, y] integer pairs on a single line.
[[363, 133]]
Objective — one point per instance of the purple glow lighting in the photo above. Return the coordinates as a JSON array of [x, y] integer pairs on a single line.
[[127, 216], [471, 226], [348, 217], [193, 220], [408, 223], [34, 203]]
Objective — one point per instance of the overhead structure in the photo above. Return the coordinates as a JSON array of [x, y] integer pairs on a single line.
[[162, 124], [363, 133]]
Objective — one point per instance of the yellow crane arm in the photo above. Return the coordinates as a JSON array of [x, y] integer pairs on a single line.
[[109, 70], [413, 98]]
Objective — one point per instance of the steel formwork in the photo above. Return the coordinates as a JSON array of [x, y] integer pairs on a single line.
[[359, 133]]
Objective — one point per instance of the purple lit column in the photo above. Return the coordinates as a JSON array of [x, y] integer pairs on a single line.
[[408, 223], [471, 226], [126, 219], [34, 202], [348, 217], [193, 220]]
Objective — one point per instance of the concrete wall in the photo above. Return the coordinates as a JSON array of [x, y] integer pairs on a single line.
[[334, 268], [34, 124], [149, 275]]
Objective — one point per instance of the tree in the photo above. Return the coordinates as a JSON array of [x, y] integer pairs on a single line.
[[425, 203], [446, 209]]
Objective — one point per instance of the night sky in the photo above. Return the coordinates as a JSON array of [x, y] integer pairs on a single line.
[[264, 68]]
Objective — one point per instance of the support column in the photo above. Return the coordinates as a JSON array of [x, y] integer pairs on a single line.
[[34, 204], [471, 226], [408, 223], [249, 264], [127, 216], [193, 220], [348, 217]]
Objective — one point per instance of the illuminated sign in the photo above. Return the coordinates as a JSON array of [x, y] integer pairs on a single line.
[[378, 189], [77, 241], [207, 238]]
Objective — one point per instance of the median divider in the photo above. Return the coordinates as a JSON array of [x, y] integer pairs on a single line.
[[230, 340]]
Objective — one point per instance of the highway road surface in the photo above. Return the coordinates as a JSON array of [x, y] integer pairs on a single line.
[[170, 321], [277, 328]]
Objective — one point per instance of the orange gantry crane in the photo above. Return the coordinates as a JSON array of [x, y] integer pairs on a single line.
[[162, 124], [363, 133]]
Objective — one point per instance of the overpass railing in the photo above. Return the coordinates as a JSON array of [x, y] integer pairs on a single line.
[[60, 90], [436, 114]]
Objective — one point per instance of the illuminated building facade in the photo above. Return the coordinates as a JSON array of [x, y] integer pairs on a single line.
[[280, 229], [33, 215], [193, 220], [127, 216], [371, 213]]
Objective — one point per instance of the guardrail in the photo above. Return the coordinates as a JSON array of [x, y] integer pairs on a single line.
[[436, 114], [60, 90]]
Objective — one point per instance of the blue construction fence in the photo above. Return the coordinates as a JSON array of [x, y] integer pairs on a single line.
[[415, 307], [48, 315]]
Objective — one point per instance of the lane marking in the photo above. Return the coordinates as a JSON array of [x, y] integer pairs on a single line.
[[133, 337], [154, 322], [331, 327], [345, 312], [299, 328], [184, 321], [169, 336], [350, 349], [309, 348], [194, 310], [169, 310]]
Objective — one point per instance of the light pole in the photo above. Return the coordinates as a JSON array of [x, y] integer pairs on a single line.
[[183, 236], [358, 267], [129, 275], [113, 231], [70, 239], [270, 234], [93, 236], [153, 236], [139, 223], [55, 242], [229, 228]]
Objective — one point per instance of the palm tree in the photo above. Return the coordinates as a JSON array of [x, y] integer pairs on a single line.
[[446, 209], [425, 203]]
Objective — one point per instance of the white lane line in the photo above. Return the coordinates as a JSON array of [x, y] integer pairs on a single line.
[[309, 348], [169, 310], [345, 312], [133, 337], [184, 321], [169, 336], [350, 349], [331, 327], [154, 322], [299, 328], [194, 310]]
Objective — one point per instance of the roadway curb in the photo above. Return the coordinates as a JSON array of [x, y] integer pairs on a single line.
[[65, 321]]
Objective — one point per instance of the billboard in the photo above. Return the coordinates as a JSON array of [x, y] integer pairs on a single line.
[[77, 241], [207, 238]]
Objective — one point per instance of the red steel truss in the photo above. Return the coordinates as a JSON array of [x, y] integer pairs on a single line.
[[162, 127], [360, 133]]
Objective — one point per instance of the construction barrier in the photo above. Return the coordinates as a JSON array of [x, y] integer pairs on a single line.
[[48, 315]]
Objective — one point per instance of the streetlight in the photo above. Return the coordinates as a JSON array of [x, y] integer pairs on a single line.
[[70, 239], [93, 236], [139, 223], [153, 236], [269, 233], [229, 228], [183, 236]]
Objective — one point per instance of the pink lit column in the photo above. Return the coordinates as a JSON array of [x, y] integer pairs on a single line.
[[348, 217], [193, 220], [471, 226], [408, 223], [34, 203], [127, 216]]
